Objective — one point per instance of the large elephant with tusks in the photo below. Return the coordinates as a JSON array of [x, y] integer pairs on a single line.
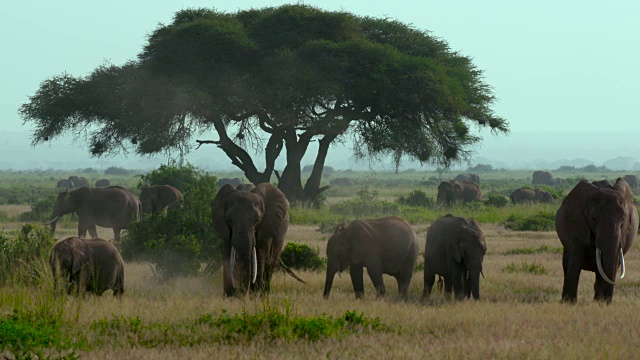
[[596, 226], [252, 225], [113, 207]]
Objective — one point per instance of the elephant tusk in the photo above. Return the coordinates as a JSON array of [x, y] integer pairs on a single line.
[[482, 273], [232, 266], [622, 269], [52, 220], [600, 270], [255, 265]]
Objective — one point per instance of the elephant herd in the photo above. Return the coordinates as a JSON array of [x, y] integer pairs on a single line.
[[596, 224]]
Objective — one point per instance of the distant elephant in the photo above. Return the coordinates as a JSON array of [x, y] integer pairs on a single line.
[[596, 227], [603, 184], [155, 199], [75, 180], [542, 178], [468, 177], [252, 225], [632, 180], [383, 246], [113, 207], [342, 181], [455, 249], [453, 192], [224, 181], [103, 183], [526, 195], [92, 265], [65, 183]]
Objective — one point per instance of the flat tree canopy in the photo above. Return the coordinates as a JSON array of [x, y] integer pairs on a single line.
[[272, 79]]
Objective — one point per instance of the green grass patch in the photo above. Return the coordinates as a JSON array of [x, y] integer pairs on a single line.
[[540, 221], [525, 267], [543, 249]]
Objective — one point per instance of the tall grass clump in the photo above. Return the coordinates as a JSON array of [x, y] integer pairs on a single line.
[[526, 267], [176, 243], [417, 198], [302, 257], [41, 209], [22, 253]]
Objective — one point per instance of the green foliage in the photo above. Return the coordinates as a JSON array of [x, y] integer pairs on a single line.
[[481, 168], [366, 204], [41, 210], [25, 194], [178, 242], [302, 256], [555, 192], [497, 200], [525, 267], [417, 198], [540, 221], [540, 250], [23, 252], [271, 323]]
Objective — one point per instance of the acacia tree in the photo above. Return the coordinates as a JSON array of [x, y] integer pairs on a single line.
[[277, 78]]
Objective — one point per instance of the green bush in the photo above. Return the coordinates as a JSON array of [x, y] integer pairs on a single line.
[[41, 210], [366, 204], [417, 198], [178, 242], [23, 252], [302, 257], [496, 200], [526, 267], [541, 221]]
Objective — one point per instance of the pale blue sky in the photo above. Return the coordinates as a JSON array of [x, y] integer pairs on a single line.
[[554, 65]]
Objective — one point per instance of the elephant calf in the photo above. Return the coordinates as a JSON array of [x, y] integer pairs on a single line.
[[454, 249], [383, 246], [89, 265]]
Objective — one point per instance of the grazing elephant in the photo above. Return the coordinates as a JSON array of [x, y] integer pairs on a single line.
[[252, 225], [383, 246], [632, 180], [596, 227], [526, 195], [468, 177], [542, 178], [224, 181], [158, 198], [454, 249], [103, 183], [452, 192], [113, 207], [92, 265], [603, 184], [65, 183]]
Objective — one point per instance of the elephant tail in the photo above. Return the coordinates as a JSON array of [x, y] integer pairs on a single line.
[[440, 283], [290, 272]]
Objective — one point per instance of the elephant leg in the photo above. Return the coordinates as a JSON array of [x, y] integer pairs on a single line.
[[456, 281], [448, 288], [92, 231], [376, 278], [403, 286], [467, 284], [429, 280], [227, 273], [602, 290], [116, 234], [571, 275], [356, 278]]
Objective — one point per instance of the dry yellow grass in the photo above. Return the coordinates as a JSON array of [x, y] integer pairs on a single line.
[[519, 314]]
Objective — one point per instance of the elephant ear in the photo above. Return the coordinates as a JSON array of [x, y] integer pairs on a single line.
[[339, 228], [218, 209], [79, 253], [572, 215], [454, 251], [623, 187]]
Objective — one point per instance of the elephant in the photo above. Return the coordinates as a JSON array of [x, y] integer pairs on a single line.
[[596, 227], [224, 181], [103, 183], [79, 181], [468, 177], [113, 207], [88, 265], [65, 183], [384, 246], [603, 184], [526, 195], [159, 198], [542, 178], [454, 249], [252, 225], [453, 191], [632, 180]]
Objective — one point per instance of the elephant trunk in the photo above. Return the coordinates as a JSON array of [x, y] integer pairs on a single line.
[[243, 260], [601, 270], [53, 222], [474, 283], [328, 283]]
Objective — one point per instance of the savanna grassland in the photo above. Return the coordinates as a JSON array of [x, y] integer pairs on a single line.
[[519, 314]]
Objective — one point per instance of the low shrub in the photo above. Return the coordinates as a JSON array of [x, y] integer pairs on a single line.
[[417, 198], [526, 267], [302, 257], [41, 210], [541, 221], [497, 200], [23, 253]]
